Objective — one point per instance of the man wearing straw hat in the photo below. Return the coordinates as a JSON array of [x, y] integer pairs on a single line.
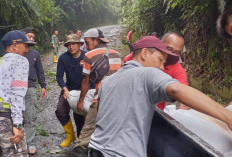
[[69, 63]]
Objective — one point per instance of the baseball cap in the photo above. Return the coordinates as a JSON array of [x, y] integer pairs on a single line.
[[73, 38], [17, 36], [154, 42], [95, 33], [28, 30]]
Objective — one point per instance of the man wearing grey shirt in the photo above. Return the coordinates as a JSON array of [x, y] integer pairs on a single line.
[[127, 100]]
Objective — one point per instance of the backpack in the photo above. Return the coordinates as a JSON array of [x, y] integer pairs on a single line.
[[100, 68]]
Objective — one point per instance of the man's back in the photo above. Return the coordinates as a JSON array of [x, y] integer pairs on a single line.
[[125, 110], [95, 54]]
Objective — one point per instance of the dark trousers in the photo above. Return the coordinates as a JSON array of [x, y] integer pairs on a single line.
[[62, 114], [95, 153], [79, 121]]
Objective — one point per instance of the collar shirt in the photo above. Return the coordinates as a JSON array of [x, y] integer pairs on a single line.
[[14, 71]]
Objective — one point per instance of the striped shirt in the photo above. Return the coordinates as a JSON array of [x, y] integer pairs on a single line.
[[95, 54], [13, 85]]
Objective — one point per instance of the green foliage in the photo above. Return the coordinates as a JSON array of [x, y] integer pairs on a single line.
[[217, 99], [208, 55], [228, 76], [47, 15], [40, 131], [50, 73], [221, 5]]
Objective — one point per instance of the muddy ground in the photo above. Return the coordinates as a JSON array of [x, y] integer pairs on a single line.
[[49, 130]]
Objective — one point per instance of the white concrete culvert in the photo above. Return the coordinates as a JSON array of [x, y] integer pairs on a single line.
[[214, 132]]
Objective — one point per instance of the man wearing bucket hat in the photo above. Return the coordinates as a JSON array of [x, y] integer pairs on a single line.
[[96, 44], [124, 117], [69, 63], [14, 81]]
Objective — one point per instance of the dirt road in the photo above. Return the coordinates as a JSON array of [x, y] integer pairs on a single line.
[[49, 131]]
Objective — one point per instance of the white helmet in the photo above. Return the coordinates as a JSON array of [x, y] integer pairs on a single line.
[[73, 98]]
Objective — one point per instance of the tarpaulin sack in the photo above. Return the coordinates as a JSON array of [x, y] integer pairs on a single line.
[[100, 68], [73, 97]]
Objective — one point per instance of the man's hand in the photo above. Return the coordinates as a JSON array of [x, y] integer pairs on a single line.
[[65, 95], [44, 93], [183, 107], [84, 89], [80, 105], [18, 135]]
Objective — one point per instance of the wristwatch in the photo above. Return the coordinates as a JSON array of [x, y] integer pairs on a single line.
[[18, 126]]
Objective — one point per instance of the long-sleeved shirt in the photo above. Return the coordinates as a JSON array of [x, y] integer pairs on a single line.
[[13, 86], [72, 68], [35, 69]]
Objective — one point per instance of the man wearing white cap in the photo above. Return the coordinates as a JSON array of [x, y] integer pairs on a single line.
[[96, 44]]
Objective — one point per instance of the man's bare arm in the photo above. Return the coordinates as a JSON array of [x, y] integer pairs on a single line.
[[199, 101], [84, 89]]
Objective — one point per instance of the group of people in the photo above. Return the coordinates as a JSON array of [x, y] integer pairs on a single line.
[[119, 119]]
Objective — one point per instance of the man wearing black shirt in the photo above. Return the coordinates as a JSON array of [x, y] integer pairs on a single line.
[[69, 63], [35, 72]]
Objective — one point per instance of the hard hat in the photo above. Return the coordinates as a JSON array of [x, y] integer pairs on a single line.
[[73, 98]]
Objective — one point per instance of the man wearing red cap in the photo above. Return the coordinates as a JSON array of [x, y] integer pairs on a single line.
[[174, 41], [127, 98]]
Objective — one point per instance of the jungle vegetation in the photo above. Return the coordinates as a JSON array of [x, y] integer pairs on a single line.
[[208, 55], [49, 15]]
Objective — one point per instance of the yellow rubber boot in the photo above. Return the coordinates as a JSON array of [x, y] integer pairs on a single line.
[[55, 59], [70, 137]]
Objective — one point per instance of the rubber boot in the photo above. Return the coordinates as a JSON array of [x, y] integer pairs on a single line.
[[55, 59], [70, 136]]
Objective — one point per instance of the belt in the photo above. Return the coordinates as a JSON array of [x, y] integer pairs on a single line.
[[4, 107]]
